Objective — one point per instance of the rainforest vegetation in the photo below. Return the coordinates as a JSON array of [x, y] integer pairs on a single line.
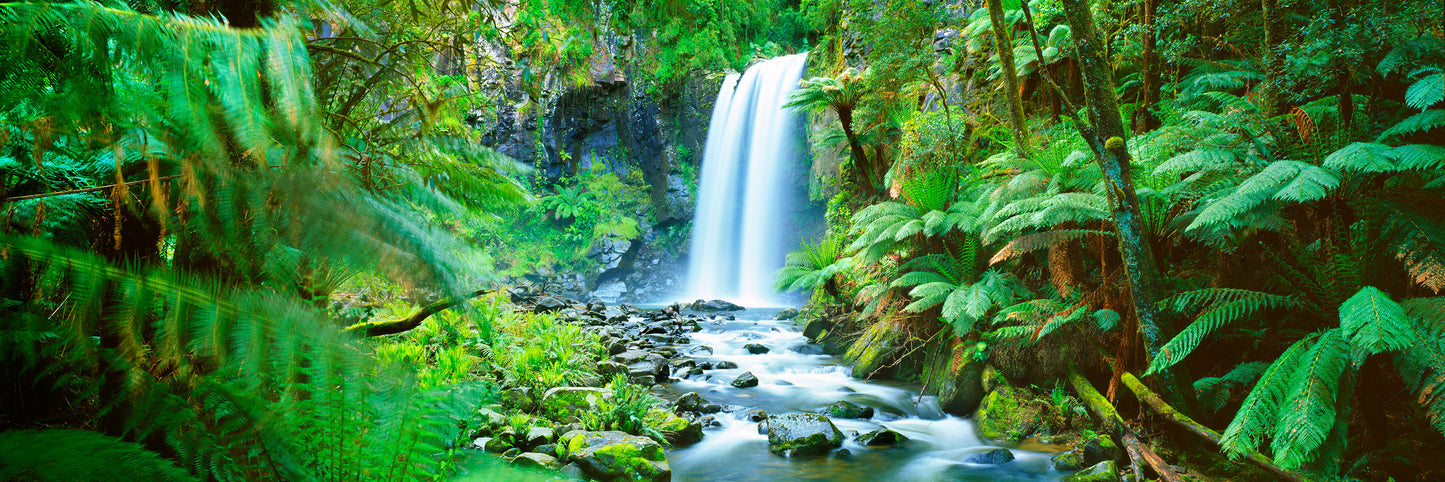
[[305, 240]]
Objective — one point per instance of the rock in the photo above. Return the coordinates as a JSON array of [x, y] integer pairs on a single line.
[[1005, 414], [616, 455], [690, 402], [710, 408], [847, 409], [700, 349], [539, 435], [1099, 449], [961, 393], [491, 419], [746, 380], [564, 402], [872, 351], [756, 349], [802, 434], [511, 453], [724, 365], [787, 314], [1104, 471], [991, 457], [817, 328], [641, 363], [842, 453], [549, 304], [644, 380], [519, 398], [715, 305], [573, 471], [549, 449], [807, 349], [608, 368], [755, 415], [534, 459], [496, 445], [881, 436], [1067, 461], [677, 430]]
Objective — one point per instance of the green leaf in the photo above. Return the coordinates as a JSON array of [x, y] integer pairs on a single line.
[[1374, 323], [1426, 92]]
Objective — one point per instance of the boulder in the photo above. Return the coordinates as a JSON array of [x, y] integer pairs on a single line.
[[690, 402], [549, 304], [1067, 461], [724, 365], [1104, 471], [714, 305], [881, 436], [802, 434], [538, 460], [615, 455], [746, 380], [640, 363], [816, 328], [755, 415], [676, 430], [564, 402], [495, 445], [540, 435], [756, 349], [787, 314], [1007, 414], [991, 457], [847, 409], [1101, 448]]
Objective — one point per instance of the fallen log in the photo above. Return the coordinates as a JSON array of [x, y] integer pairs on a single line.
[[1109, 417], [1183, 421], [406, 323]]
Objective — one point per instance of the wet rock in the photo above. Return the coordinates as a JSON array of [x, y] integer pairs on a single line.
[[549, 449], [519, 398], [641, 363], [724, 365], [881, 436], [802, 434], [991, 457], [644, 380], [1101, 448], [842, 453], [1067, 461], [540, 435], [705, 365], [549, 304], [616, 455], [847, 409], [714, 305], [1104, 471], [746, 380], [700, 350], [533, 459], [491, 419], [1010, 414], [496, 445], [756, 349], [676, 430], [690, 402], [573, 471], [608, 368], [807, 349], [755, 415], [787, 314], [511, 453], [816, 328]]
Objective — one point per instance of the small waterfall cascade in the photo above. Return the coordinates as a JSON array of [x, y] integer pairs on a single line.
[[739, 226]]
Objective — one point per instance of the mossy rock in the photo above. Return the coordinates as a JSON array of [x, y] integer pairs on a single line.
[[1006, 414], [847, 409], [802, 434], [677, 430], [80, 456], [565, 403], [617, 456], [874, 349], [1104, 471], [954, 375]]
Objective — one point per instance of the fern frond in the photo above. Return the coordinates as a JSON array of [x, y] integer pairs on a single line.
[[1261, 408], [1423, 122], [1228, 306], [1374, 323], [1308, 413], [1213, 392], [1036, 241], [1426, 92]]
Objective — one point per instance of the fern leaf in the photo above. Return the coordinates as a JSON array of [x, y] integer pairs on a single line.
[[1033, 242], [1422, 122], [1243, 304], [1257, 415], [1308, 413], [1426, 92], [1422, 365], [1374, 323]]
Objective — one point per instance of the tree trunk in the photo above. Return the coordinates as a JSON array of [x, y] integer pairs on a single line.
[[1144, 117], [1105, 135], [1269, 90], [860, 158], [400, 325], [1342, 74], [1004, 41]]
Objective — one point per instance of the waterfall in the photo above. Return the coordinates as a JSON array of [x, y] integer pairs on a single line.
[[739, 230]]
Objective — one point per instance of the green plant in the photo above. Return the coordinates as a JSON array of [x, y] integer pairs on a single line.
[[625, 410]]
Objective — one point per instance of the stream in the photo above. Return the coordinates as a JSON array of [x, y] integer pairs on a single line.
[[794, 376]]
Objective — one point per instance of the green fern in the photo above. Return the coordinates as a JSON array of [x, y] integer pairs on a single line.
[[1222, 307], [1214, 392]]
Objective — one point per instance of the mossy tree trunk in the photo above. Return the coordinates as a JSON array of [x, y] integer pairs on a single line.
[[1105, 135], [1004, 42]]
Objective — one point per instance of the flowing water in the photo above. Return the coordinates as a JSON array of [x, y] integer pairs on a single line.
[[738, 237], [792, 378]]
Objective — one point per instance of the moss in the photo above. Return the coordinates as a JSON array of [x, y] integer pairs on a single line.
[[1104, 471], [1001, 415], [873, 349]]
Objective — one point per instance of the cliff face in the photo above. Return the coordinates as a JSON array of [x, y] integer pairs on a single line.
[[616, 120]]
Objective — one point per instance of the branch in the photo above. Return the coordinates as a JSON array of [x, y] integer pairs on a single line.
[[1188, 424], [88, 189], [406, 323], [1115, 425]]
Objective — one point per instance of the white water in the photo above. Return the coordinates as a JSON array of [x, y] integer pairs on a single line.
[[738, 240]]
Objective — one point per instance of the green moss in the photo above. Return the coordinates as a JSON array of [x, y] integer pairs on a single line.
[[1104, 471], [872, 350], [1002, 415]]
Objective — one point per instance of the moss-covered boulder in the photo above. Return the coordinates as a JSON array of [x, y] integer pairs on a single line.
[[677, 430], [566, 403], [874, 349], [1006, 414], [1104, 471], [881, 436], [1101, 448], [847, 409], [953, 371], [802, 434], [616, 456]]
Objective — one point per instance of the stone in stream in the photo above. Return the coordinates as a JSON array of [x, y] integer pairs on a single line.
[[539, 435], [787, 314], [538, 460], [1101, 448], [746, 380], [881, 436], [724, 365], [847, 409], [991, 457], [690, 402], [615, 455], [1104, 471], [549, 449], [714, 305], [1067, 461], [756, 349], [755, 415], [802, 434], [572, 401], [676, 430]]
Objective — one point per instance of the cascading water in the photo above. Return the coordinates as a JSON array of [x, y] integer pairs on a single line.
[[738, 240]]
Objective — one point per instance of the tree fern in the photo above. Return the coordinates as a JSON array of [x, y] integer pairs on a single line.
[[1213, 392], [1422, 365], [1223, 306], [1287, 181], [1419, 123], [1308, 410], [1375, 324], [1256, 417], [1427, 91]]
